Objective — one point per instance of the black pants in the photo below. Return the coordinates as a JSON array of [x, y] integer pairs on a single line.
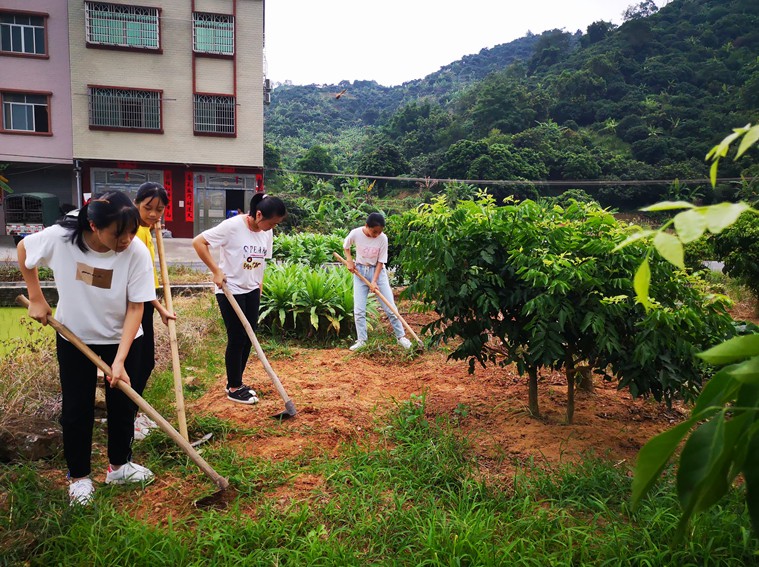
[[78, 382], [238, 343], [147, 360]]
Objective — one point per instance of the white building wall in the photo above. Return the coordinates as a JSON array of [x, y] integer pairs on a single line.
[[172, 72]]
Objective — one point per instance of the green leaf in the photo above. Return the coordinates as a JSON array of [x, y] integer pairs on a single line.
[[642, 283], [670, 247], [713, 172], [690, 225], [732, 350], [654, 456], [722, 215], [717, 392], [751, 476], [751, 138], [747, 372], [668, 206], [633, 238], [699, 475]]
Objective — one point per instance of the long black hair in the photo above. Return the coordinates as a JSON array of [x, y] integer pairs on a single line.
[[103, 211], [268, 205], [150, 190]]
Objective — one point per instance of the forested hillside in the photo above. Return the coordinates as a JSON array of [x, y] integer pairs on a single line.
[[641, 101]]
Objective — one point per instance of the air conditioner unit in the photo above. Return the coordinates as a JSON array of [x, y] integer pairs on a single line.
[[267, 97]]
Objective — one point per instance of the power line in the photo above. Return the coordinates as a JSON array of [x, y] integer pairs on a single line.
[[548, 182]]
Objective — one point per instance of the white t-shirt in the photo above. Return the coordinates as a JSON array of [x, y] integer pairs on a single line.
[[369, 250], [242, 253], [93, 287]]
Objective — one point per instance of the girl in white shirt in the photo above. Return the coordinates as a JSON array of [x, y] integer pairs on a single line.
[[371, 257], [245, 243], [103, 276]]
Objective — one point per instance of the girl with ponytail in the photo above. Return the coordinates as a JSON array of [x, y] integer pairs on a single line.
[[244, 243], [103, 277]]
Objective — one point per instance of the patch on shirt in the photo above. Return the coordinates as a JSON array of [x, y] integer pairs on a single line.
[[96, 277]]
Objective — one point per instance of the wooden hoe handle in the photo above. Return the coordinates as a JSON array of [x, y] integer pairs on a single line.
[[384, 300], [67, 334]]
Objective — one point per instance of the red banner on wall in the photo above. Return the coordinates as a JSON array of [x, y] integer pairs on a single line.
[[189, 197], [168, 213]]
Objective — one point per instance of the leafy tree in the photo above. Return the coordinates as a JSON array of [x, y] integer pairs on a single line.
[[596, 32], [272, 160], [538, 286], [641, 10], [317, 159]]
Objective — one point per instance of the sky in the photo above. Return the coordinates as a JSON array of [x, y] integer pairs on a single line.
[[393, 41]]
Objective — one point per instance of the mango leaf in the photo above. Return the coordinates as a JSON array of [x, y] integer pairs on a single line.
[[690, 225], [747, 372], [732, 350], [722, 215], [668, 206], [641, 283], [713, 172], [699, 475], [720, 389], [751, 138], [633, 238], [654, 456], [751, 476], [720, 150], [670, 247]]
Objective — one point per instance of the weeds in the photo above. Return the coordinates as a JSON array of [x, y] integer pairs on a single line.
[[410, 499]]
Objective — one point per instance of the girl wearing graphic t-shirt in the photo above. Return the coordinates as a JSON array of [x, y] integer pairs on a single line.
[[371, 257], [151, 201], [103, 276], [245, 243]]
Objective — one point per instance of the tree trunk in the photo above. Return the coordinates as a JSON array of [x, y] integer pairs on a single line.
[[532, 400], [570, 393], [585, 379]]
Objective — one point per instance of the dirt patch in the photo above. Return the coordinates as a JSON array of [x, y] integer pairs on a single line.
[[340, 395]]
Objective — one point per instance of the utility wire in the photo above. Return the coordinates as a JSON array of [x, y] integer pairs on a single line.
[[562, 183]]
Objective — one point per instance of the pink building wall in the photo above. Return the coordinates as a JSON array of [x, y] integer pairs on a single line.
[[50, 75]]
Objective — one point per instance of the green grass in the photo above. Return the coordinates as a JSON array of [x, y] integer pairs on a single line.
[[412, 498], [17, 330]]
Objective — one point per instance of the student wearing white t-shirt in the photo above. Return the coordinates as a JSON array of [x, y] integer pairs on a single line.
[[245, 243], [371, 257], [103, 276]]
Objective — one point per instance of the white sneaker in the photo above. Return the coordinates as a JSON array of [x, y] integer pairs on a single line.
[[357, 345], [129, 472], [404, 342], [81, 492], [143, 425]]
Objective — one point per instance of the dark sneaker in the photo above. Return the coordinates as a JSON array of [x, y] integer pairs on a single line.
[[243, 387], [242, 395]]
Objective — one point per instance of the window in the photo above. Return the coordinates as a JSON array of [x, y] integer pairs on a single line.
[[213, 33], [26, 112], [21, 33], [122, 26], [124, 109], [214, 114]]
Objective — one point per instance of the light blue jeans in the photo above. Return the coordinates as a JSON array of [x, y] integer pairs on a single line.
[[361, 292]]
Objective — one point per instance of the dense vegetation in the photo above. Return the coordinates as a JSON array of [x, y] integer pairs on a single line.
[[641, 101]]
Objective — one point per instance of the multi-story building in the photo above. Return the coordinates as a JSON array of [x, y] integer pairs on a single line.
[[35, 95], [138, 90]]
